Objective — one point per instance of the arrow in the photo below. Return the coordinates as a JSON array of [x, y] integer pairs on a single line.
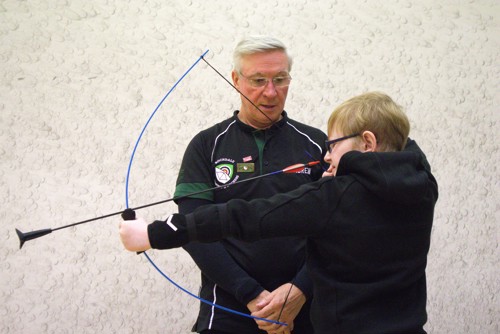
[[25, 236]]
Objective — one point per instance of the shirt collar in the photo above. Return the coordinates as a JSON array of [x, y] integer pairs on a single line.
[[274, 127]]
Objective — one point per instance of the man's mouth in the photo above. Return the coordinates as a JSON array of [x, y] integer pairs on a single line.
[[267, 106]]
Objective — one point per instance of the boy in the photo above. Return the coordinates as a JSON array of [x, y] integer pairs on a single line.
[[367, 223]]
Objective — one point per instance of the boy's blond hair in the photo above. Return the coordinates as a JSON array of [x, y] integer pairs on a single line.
[[375, 112]]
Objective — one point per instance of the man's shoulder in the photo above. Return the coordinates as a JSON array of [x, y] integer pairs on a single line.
[[217, 128], [307, 129]]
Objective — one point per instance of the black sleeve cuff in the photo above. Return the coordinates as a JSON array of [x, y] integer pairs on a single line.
[[304, 283], [163, 236]]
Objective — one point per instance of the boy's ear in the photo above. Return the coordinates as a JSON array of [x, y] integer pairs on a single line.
[[369, 141]]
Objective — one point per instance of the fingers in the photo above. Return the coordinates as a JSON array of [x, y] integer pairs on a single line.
[[272, 327], [134, 235], [327, 173], [283, 304], [255, 304]]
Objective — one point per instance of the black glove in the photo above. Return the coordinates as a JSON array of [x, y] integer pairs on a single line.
[[128, 214]]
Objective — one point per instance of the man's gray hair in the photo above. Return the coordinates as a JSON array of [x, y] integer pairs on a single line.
[[255, 44]]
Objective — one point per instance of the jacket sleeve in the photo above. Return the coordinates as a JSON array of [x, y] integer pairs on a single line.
[[216, 263], [303, 281], [304, 212], [301, 212]]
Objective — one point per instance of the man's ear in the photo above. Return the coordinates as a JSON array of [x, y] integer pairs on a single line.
[[369, 141], [235, 78]]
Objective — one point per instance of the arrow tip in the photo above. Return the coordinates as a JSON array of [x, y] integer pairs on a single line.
[[22, 239]]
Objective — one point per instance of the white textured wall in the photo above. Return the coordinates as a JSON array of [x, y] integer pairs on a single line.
[[79, 79]]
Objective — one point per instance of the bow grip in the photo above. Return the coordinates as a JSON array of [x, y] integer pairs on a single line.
[[129, 214]]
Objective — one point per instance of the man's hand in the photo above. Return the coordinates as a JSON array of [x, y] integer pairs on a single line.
[[261, 299], [271, 306], [252, 305], [134, 235]]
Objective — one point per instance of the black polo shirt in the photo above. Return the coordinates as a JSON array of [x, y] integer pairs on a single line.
[[226, 153], [232, 151]]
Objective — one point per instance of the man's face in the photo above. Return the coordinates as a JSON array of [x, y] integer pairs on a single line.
[[270, 98]]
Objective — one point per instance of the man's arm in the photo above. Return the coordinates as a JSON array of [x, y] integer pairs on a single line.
[[217, 264]]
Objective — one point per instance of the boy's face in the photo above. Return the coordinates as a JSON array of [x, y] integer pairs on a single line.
[[337, 150]]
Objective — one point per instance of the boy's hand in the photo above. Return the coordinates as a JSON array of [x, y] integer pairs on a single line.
[[327, 173], [134, 235]]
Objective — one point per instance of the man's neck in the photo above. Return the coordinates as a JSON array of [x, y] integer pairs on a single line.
[[256, 124]]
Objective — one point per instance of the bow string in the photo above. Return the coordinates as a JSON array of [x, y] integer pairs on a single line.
[[127, 183]]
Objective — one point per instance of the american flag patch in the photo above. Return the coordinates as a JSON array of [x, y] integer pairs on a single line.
[[247, 159]]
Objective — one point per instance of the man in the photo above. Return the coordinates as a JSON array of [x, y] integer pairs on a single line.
[[259, 138], [367, 221]]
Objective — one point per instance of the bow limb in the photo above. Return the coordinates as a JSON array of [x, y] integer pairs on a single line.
[[147, 123]]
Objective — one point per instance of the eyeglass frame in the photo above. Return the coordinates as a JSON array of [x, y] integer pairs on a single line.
[[329, 143], [254, 84]]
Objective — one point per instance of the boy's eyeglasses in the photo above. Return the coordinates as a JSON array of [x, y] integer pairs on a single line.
[[259, 82], [330, 144]]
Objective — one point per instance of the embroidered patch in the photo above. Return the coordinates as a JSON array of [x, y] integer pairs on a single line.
[[306, 170], [224, 173], [245, 167], [247, 159]]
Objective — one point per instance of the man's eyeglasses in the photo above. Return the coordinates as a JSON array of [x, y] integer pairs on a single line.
[[330, 144], [259, 82]]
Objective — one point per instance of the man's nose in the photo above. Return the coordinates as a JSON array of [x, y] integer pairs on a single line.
[[270, 88]]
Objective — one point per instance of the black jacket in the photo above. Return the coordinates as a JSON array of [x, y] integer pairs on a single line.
[[368, 234]]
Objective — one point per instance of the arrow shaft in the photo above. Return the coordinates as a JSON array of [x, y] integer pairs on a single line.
[[291, 169]]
